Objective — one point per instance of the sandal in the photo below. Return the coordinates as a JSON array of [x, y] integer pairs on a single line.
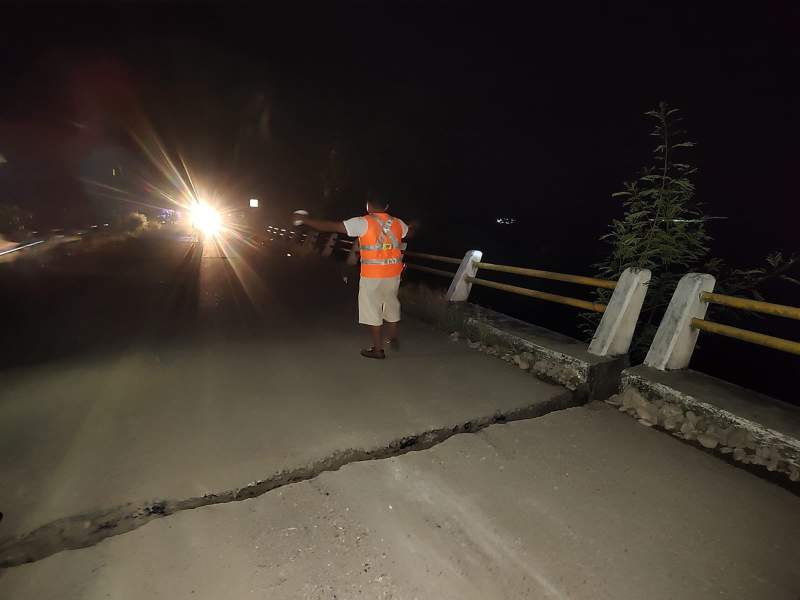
[[371, 352]]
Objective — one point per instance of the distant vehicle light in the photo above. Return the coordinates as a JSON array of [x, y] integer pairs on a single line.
[[505, 220], [253, 202], [205, 218]]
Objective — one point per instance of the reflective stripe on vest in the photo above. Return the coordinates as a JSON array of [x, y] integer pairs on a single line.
[[380, 261], [380, 247]]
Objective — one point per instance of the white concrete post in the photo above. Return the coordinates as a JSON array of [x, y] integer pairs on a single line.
[[352, 256], [460, 287], [674, 341], [614, 334], [330, 244]]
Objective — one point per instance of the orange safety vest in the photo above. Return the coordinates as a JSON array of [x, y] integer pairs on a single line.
[[380, 246]]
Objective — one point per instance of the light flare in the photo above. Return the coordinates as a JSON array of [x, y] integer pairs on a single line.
[[206, 219]]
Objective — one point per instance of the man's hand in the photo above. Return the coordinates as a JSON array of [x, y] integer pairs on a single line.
[[329, 226]]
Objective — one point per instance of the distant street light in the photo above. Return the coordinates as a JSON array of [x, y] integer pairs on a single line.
[[253, 202]]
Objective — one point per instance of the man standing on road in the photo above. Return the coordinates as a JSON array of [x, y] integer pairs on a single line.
[[380, 236]]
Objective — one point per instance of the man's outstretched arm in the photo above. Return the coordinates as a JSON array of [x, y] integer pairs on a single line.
[[331, 226]]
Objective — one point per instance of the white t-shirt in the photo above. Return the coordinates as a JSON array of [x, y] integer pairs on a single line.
[[357, 226]]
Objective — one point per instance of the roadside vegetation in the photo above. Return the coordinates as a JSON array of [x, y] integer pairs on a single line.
[[663, 229]]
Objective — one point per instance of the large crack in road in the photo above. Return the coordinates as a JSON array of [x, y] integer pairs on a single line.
[[88, 529]]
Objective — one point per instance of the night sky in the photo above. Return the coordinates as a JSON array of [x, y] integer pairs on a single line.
[[463, 112]]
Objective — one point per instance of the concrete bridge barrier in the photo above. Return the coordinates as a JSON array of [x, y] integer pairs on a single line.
[[748, 428]]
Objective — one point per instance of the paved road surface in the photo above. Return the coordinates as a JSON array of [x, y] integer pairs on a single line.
[[187, 375], [211, 373]]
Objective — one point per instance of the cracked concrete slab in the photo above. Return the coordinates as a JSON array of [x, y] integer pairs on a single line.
[[86, 529], [143, 427], [580, 504]]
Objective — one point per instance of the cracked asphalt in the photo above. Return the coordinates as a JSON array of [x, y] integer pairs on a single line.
[[169, 375]]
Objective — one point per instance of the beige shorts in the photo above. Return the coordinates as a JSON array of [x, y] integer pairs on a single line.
[[377, 300]]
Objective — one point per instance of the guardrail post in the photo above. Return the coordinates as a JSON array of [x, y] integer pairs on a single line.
[[331, 243], [675, 339], [614, 334], [352, 256], [460, 287]]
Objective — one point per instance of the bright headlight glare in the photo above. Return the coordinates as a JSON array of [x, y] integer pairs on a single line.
[[206, 219]]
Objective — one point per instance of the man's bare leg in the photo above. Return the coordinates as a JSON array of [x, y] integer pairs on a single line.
[[391, 334], [377, 337]]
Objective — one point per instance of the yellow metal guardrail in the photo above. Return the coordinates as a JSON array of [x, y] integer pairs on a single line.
[[579, 279], [514, 289], [745, 335], [559, 299], [576, 302], [444, 259], [539, 274], [767, 308], [430, 270]]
